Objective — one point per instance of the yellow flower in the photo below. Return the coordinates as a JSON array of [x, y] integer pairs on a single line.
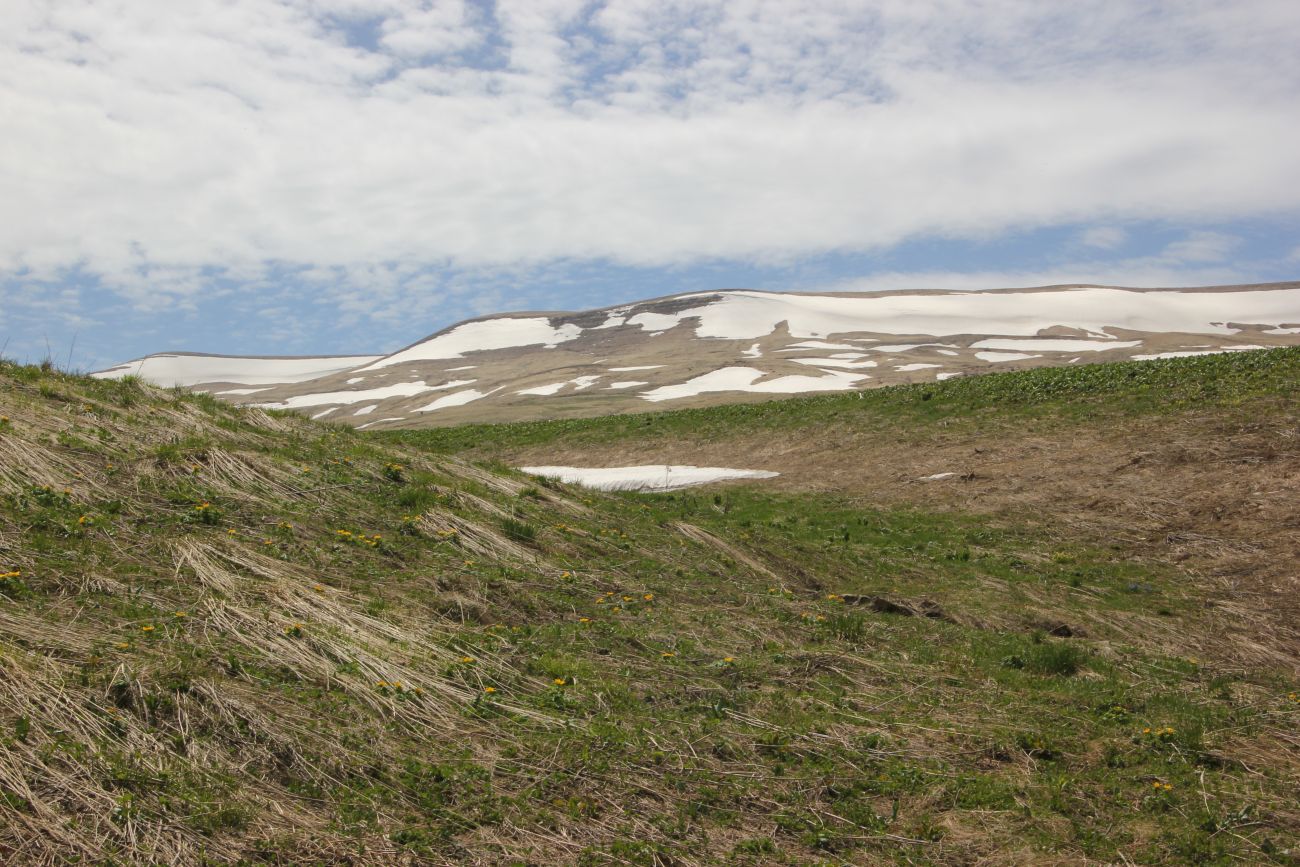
[[146, 629], [728, 659], [319, 588], [232, 532], [181, 614], [124, 645], [489, 689], [667, 654], [649, 597], [627, 598], [559, 681], [383, 684], [584, 619], [467, 659]]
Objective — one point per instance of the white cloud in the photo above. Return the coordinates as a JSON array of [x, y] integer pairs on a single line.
[[1196, 260], [146, 142], [1203, 247], [1103, 237]]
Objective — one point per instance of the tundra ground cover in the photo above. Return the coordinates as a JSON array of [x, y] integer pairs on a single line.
[[227, 634]]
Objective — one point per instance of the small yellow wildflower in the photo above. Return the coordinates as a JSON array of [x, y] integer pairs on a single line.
[[467, 659], [584, 619], [232, 532], [383, 684], [627, 598], [649, 597], [319, 588], [728, 659], [181, 614], [124, 645], [146, 629], [667, 654], [559, 681], [489, 689]]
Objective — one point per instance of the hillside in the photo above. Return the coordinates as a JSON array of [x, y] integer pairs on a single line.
[[736, 346], [230, 635]]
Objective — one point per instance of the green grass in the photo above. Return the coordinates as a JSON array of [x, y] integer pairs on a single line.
[[363, 650], [1069, 393]]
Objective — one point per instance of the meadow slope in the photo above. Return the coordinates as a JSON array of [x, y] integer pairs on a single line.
[[234, 636]]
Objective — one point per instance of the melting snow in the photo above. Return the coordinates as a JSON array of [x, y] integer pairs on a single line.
[[627, 384], [460, 398], [367, 410], [638, 367], [400, 389], [749, 315], [654, 477], [908, 368], [942, 376], [753, 351], [580, 383], [1046, 345], [503, 333], [937, 477], [833, 362], [244, 390], [544, 390], [186, 370], [746, 379], [1004, 356], [818, 344]]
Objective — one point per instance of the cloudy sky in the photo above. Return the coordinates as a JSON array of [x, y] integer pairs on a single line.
[[330, 176]]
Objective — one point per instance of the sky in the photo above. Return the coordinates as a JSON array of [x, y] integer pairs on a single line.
[[298, 177]]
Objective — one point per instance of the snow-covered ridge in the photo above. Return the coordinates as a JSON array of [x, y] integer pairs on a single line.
[[187, 369], [725, 346]]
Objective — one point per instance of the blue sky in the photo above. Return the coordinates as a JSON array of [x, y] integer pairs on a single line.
[[333, 176]]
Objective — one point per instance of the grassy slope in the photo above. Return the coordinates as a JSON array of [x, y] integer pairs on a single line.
[[674, 678], [1066, 394]]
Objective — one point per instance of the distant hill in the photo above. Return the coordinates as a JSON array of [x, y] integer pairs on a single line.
[[703, 349]]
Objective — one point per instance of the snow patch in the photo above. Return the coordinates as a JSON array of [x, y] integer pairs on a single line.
[[485, 334], [833, 362], [172, 369], [460, 398], [637, 367], [654, 477], [1047, 345], [1003, 356], [627, 384], [383, 392], [746, 379], [908, 368]]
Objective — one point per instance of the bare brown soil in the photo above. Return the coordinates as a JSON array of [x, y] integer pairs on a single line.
[[1216, 492]]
